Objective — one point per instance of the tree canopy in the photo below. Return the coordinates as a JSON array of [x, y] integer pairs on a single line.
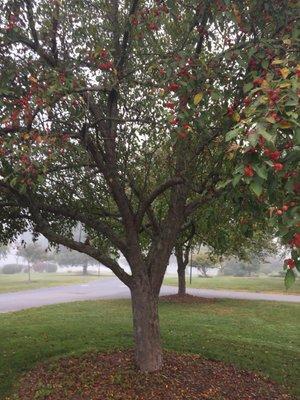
[[114, 115]]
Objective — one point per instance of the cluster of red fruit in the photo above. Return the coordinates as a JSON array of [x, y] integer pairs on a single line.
[[281, 210], [149, 16], [296, 240], [12, 22], [290, 263], [106, 64]]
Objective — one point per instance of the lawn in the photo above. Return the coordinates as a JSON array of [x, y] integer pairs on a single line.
[[260, 336], [255, 284], [16, 282]]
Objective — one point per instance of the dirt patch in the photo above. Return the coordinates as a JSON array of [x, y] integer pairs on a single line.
[[113, 376], [185, 298]]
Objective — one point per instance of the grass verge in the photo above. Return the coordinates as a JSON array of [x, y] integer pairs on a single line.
[[255, 284], [19, 282], [253, 335]]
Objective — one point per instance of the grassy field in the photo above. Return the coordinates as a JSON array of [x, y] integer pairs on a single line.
[[16, 282], [255, 284], [260, 336]]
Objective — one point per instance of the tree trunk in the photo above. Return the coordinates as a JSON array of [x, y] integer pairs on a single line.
[[148, 351], [84, 269], [181, 281]]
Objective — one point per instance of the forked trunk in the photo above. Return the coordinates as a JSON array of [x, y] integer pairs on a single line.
[[148, 351], [181, 281]]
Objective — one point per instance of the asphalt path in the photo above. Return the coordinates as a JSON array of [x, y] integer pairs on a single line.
[[112, 288]]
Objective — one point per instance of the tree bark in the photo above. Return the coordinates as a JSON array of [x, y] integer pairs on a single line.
[[148, 351], [181, 281]]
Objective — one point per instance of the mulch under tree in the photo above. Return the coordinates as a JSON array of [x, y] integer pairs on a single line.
[[113, 376]]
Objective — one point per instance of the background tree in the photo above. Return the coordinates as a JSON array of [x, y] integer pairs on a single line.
[[203, 261], [66, 257], [33, 253], [230, 225], [108, 108]]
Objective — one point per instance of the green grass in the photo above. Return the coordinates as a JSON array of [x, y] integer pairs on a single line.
[[16, 282], [261, 336], [255, 284]]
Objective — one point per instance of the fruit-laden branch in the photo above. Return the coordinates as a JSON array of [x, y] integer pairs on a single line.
[[126, 42]]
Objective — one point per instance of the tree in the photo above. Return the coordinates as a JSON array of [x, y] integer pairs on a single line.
[[33, 253], [231, 225], [108, 107], [204, 261], [66, 257]]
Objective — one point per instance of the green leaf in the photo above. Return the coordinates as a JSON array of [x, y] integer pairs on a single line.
[[297, 136], [247, 87], [236, 180], [256, 187], [23, 189], [266, 135], [14, 181], [261, 171], [289, 278], [232, 134], [221, 185], [253, 139]]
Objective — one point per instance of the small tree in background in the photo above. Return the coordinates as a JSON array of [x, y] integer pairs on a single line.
[[71, 258], [33, 253], [204, 261]]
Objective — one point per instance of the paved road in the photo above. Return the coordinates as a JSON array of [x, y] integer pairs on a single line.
[[113, 289]]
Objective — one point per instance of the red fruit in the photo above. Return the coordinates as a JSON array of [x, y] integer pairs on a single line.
[[106, 66], [296, 188], [258, 81], [261, 141], [290, 263], [230, 111], [275, 155], [273, 95], [103, 53], [296, 240], [252, 63], [170, 105], [173, 87], [279, 212], [186, 126], [285, 207], [162, 72], [275, 116], [152, 26], [184, 73], [289, 145], [248, 170], [183, 134], [247, 101], [24, 159], [174, 121], [134, 21], [278, 166]]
